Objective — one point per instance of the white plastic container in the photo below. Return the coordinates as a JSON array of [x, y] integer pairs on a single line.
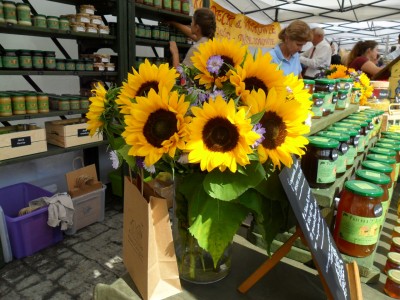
[[5, 241]]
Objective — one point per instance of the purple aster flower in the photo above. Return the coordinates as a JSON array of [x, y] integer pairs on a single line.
[[214, 64], [202, 97], [216, 93], [261, 131]]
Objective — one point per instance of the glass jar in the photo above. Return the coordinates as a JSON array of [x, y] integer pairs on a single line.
[[342, 103], [60, 64], [334, 101], [186, 8], [318, 163], [24, 14], [63, 103], [5, 105], [167, 4], [363, 142], [341, 161], [391, 134], [346, 84], [155, 32], [83, 18], [25, 59], [53, 22], [91, 28], [96, 20], [10, 59], [74, 102], [391, 158], [176, 6], [317, 107], [37, 59], [70, 64], [84, 103], [140, 30], [10, 12], [324, 85], [43, 102], [309, 85], [77, 26], [395, 245], [147, 30], [357, 224], [31, 103], [355, 95], [352, 142], [88, 64], [379, 104], [80, 65], [18, 104], [148, 2], [109, 67], [392, 262], [157, 4], [396, 232], [392, 284], [98, 67], [390, 146], [381, 180], [64, 23], [103, 29], [49, 60], [87, 9], [382, 168], [39, 21]]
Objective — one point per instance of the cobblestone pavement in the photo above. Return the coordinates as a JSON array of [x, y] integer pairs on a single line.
[[71, 268]]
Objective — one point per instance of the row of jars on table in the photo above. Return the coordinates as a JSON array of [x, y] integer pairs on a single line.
[[31, 102], [329, 95]]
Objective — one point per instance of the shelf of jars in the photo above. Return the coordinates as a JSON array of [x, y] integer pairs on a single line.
[[59, 73], [160, 14], [51, 150], [158, 43], [52, 113], [53, 33]]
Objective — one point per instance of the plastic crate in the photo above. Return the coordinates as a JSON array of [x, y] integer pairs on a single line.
[[116, 182], [88, 209], [28, 233]]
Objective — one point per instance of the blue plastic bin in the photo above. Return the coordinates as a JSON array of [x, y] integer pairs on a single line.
[[28, 233]]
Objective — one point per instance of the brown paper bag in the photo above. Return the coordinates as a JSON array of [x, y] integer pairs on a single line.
[[148, 247]]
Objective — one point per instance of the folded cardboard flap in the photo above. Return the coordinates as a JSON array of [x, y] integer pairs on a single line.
[[83, 181]]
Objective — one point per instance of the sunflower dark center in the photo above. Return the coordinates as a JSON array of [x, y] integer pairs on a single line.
[[145, 88], [253, 83], [275, 130], [160, 126], [219, 135], [225, 66]]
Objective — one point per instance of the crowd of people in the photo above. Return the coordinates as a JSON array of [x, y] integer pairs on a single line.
[[288, 52]]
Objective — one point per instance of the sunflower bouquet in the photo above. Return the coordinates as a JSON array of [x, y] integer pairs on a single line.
[[222, 128]]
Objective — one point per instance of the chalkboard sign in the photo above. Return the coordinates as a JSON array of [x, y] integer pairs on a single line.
[[316, 231]]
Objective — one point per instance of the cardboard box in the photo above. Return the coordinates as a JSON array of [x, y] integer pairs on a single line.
[[70, 133], [21, 143], [83, 181]]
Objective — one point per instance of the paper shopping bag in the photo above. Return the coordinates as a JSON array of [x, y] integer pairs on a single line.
[[148, 247]]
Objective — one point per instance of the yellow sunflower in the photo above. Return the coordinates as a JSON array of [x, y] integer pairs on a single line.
[[283, 122], [295, 90], [338, 71], [366, 88], [96, 109], [156, 125], [231, 52], [257, 73], [140, 83], [220, 137]]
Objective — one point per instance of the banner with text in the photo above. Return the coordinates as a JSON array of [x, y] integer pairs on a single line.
[[197, 4], [240, 27]]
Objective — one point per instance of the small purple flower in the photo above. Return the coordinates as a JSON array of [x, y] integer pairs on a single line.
[[261, 131], [140, 163], [202, 97], [114, 159], [214, 64], [217, 93]]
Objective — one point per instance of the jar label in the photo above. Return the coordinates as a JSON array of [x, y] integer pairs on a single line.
[[341, 163], [359, 230], [361, 144], [326, 172], [351, 154], [5, 108]]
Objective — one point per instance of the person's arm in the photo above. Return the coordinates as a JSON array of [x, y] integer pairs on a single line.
[[186, 30], [173, 48], [321, 58], [370, 68]]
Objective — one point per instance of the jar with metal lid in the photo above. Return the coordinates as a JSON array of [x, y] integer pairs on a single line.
[[70, 64], [381, 180], [382, 168], [392, 284], [363, 142], [167, 4], [80, 65], [37, 59], [49, 60], [342, 102], [386, 140], [395, 244], [341, 161], [60, 64], [324, 85], [24, 14], [317, 107], [43, 102], [18, 104], [91, 28], [392, 262], [346, 83], [96, 20], [147, 29], [64, 23], [155, 32], [39, 21], [176, 6], [31, 103], [390, 146], [87, 9], [83, 18], [99, 67], [53, 22], [25, 59], [10, 59], [355, 95], [157, 4], [1, 12], [103, 29], [5, 105], [318, 163], [84, 102], [352, 142], [63, 103], [309, 85], [140, 30], [109, 67], [334, 101], [10, 12], [357, 224], [186, 8], [88, 64], [74, 102], [77, 26]]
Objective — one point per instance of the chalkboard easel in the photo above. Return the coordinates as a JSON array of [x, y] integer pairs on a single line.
[[340, 281]]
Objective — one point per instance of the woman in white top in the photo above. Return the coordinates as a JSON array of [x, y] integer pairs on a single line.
[[201, 29]]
